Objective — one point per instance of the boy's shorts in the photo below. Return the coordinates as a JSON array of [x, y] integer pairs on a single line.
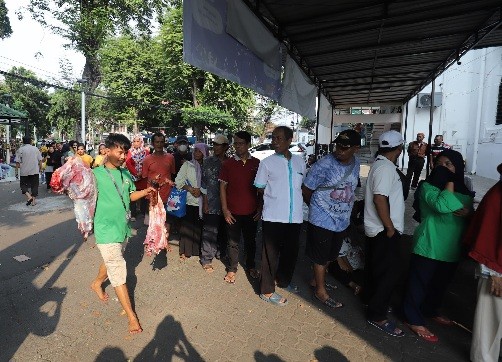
[[113, 256], [323, 245]]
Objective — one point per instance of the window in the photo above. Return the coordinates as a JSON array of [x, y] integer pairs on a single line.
[[498, 117]]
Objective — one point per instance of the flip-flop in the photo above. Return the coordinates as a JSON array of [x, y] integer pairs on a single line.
[[208, 268], [388, 327], [443, 320], [292, 288], [423, 333], [330, 302], [28, 203], [229, 279], [328, 286], [275, 299]]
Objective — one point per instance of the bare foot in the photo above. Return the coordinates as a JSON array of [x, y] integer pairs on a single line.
[[96, 286], [134, 326], [230, 278]]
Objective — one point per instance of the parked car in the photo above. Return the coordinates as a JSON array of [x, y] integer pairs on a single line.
[[263, 150]]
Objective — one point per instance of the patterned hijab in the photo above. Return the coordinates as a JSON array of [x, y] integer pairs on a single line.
[[138, 154]]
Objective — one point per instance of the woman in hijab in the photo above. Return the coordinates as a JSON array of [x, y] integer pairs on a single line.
[[189, 179], [445, 203], [134, 163]]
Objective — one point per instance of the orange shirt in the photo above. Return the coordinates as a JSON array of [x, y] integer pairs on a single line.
[[417, 149]]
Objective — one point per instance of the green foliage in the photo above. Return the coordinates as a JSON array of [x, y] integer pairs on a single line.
[[29, 98], [308, 123], [5, 29], [210, 117]]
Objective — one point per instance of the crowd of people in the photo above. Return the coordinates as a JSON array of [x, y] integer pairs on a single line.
[[228, 195]]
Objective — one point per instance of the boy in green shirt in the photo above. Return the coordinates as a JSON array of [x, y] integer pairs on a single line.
[[115, 191]]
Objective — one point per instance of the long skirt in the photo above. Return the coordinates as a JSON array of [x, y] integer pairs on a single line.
[[190, 232]]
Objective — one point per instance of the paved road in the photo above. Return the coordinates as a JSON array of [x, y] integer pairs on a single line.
[[47, 311]]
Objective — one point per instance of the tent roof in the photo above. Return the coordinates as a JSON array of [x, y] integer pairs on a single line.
[[9, 113], [370, 52]]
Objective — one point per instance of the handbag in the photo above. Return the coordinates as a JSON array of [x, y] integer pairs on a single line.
[[176, 204]]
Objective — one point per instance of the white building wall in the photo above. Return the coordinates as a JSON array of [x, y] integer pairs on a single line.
[[469, 102]]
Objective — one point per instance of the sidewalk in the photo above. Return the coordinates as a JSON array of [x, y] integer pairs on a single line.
[[49, 313]]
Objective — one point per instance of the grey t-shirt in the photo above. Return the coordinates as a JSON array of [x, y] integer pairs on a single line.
[[28, 157]]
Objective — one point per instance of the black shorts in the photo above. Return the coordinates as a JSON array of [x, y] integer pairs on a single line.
[[323, 245], [29, 184]]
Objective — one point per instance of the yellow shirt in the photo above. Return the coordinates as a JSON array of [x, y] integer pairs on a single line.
[[86, 159], [98, 161]]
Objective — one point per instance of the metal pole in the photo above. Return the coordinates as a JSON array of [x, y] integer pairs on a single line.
[[405, 130], [316, 148], [431, 119], [83, 114]]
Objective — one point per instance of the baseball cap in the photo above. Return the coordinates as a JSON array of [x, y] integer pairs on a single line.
[[349, 138], [390, 139], [220, 139], [181, 139]]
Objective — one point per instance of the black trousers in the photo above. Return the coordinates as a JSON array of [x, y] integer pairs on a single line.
[[190, 232], [245, 225], [48, 177], [415, 167], [214, 238], [381, 271], [427, 283], [281, 243]]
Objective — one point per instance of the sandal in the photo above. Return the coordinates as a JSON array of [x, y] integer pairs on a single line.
[[275, 299], [442, 320], [328, 286], [230, 279], [208, 268], [388, 327], [28, 203], [292, 288], [423, 333], [330, 302]]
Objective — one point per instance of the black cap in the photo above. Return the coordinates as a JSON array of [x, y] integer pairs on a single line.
[[181, 139], [349, 137]]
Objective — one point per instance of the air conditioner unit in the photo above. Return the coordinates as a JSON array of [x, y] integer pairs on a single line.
[[424, 100]]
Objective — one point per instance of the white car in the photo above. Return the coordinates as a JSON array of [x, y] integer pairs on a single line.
[[263, 150]]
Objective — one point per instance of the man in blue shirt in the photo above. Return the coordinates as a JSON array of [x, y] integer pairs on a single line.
[[329, 189]]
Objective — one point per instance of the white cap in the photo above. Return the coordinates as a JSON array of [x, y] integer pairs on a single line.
[[390, 139], [220, 139]]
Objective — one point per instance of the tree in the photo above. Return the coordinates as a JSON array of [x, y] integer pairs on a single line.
[[86, 24], [30, 96], [5, 29]]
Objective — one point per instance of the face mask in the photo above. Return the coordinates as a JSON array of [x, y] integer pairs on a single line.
[[182, 148]]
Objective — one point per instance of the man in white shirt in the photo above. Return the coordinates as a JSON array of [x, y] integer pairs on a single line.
[[383, 225], [279, 179], [29, 163]]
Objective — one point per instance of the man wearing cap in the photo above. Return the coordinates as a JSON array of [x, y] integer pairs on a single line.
[[383, 225], [213, 232], [329, 189], [279, 179], [29, 163], [182, 152], [417, 151]]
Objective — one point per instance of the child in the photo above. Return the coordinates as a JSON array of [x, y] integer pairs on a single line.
[[115, 191]]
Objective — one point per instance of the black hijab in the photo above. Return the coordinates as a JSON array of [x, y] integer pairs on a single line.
[[440, 175]]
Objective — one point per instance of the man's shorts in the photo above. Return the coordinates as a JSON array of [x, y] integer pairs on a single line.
[[113, 256], [29, 184], [323, 245]]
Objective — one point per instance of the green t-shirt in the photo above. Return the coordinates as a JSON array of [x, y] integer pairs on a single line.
[[110, 225], [439, 235]]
